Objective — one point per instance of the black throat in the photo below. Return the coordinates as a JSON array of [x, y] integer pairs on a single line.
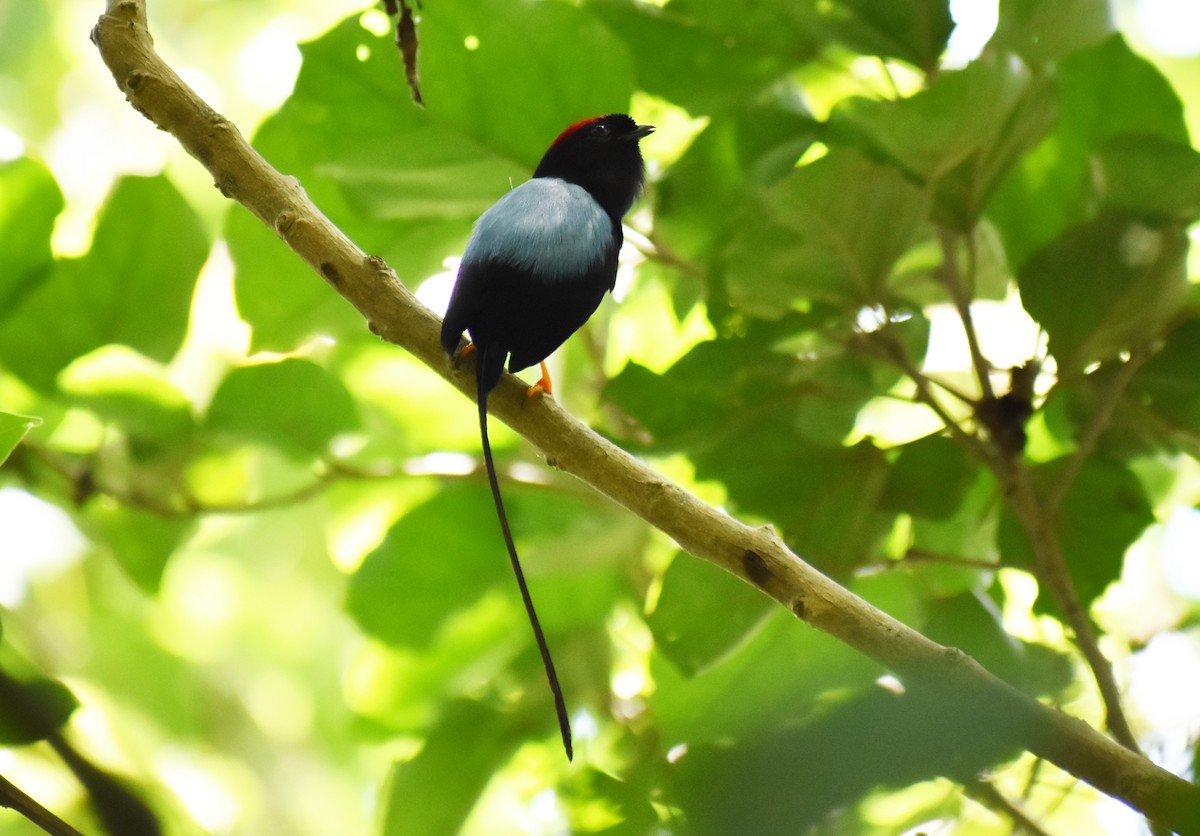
[[613, 173]]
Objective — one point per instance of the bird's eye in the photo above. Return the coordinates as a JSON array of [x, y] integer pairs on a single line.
[[600, 131]]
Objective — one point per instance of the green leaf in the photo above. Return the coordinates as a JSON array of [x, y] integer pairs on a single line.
[[971, 622], [787, 366], [294, 405], [766, 413], [685, 632], [476, 76], [140, 542], [1104, 91], [1109, 90], [1151, 177], [30, 200], [929, 478], [402, 186], [915, 31], [435, 792], [824, 499], [132, 391], [768, 682], [708, 56], [711, 385], [832, 231], [970, 534], [439, 557], [32, 710], [1042, 33], [787, 779], [962, 134], [377, 165], [576, 550], [731, 160], [1168, 382], [12, 429], [1105, 511], [133, 287], [1105, 286], [598, 802], [445, 554]]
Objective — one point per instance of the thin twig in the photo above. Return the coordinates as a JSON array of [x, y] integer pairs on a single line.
[[987, 794], [86, 481], [1037, 516], [1052, 570], [12, 797], [1097, 426], [1037, 520], [960, 295], [893, 351], [653, 248], [926, 556]]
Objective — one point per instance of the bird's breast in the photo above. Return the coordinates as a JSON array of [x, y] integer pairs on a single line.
[[554, 230]]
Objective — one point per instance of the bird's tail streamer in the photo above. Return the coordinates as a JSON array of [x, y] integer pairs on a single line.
[[560, 706]]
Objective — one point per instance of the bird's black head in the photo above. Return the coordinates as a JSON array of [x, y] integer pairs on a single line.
[[601, 155]]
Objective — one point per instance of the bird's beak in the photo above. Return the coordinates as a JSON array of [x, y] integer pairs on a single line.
[[639, 132]]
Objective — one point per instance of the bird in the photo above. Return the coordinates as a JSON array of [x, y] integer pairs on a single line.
[[536, 267]]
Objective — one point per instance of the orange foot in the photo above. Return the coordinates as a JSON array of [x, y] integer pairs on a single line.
[[543, 386], [462, 354]]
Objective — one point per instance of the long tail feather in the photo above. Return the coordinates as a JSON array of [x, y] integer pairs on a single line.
[[560, 706]]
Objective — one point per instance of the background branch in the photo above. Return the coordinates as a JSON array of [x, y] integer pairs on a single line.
[[1038, 514], [12, 797], [755, 555]]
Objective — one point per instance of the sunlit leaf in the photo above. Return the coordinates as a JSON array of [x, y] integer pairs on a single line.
[[12, 429], [769, 682], [731, 785], [30, 200], [1104, 91], [912, 30], [832, 231], [132, 391], [477, 80], [1104, 287], [435, 792], [704, 54], [929, 478], [293, 404], [141, 542], [1045, 32], [692, 588], [1105, 511], [960, 135], [1151, 177], [133, 287]]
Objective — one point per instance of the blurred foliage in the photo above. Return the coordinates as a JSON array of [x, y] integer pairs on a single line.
[[288, 593]]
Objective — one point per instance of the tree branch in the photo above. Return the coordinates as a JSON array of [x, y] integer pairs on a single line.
[[755, 555], [12, 797], [1036, 513]]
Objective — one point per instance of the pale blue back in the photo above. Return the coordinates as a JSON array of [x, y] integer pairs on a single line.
[[546, 225]]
